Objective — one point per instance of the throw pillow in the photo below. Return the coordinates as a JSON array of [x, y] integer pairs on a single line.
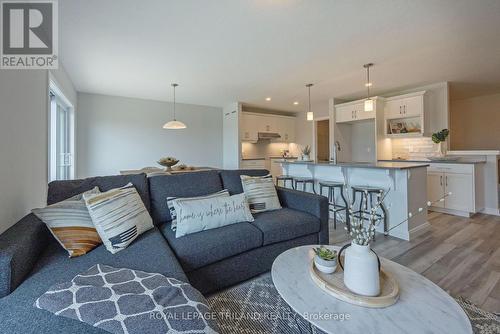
[[173, 213], [195, 215], [119, 216], [121, 300], [260, 192], [70, 223]]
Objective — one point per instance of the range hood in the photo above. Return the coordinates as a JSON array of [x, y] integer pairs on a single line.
[[268, 135]]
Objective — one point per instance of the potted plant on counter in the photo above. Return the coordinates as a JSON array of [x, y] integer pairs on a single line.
[[440, 138], [306, 151], [325, 259]]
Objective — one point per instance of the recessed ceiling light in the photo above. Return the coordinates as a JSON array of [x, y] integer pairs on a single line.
[[296, 102], [368, 84], [268, 99]]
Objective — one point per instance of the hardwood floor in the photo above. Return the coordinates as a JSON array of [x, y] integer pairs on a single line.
[[461, 255]]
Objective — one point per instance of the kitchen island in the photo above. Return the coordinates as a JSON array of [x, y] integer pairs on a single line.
[[405, 185]]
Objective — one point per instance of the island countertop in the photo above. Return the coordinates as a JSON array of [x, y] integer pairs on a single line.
[[378, 165]]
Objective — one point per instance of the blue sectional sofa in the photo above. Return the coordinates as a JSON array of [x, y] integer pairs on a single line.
[[31, 260]]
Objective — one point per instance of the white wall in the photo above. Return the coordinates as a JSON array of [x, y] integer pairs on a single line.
[[23, 143], [117, 133], [304, 129], [24, 140]]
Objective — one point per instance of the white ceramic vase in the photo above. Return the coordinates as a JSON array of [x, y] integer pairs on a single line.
[[305, 157], [361, 271]]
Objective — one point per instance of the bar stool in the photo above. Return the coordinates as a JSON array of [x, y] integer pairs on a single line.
[[368, 193], [304, 181], [332, 205], [284, 179]]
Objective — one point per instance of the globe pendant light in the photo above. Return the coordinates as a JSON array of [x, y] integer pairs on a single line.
[[368, 101], [309, 115], [175, 124]]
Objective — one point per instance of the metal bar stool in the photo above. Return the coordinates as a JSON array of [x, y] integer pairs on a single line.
[[367, 193], [304, 181], [332, 205], [284, 179]]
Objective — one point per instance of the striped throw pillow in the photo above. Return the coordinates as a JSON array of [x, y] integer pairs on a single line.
[[260, 192], [70, 223], [119, 216], [171, 207]]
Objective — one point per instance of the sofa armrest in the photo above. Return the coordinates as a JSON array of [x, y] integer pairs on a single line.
[[315, 205], [20, 247]]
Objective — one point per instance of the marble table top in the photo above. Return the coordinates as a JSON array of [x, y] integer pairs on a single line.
[[423, 307]]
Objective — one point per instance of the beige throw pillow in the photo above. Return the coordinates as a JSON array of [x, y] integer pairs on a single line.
[[70, 223], [119, 216], [260, 192]]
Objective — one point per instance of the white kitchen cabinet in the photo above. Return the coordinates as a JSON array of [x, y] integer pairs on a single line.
[[352, 111], [457, 184], [404, 106], [286, 129], [253, 164], [253, 123], [435, 189], [461, 189], [249, 127]]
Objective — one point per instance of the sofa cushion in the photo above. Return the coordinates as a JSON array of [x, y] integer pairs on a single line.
[[179, 185], [231, 178], [54, 267], [61, 190], [199, 249], [285, 224]]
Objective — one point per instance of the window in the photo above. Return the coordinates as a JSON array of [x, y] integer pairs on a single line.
[[61, 141]]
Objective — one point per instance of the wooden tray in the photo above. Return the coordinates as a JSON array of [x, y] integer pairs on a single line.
[[333, 284]]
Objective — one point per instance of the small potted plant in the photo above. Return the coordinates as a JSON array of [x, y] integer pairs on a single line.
[[325, 259], [440, 138], [306, 151]]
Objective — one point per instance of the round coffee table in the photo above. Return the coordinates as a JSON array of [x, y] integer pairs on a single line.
[[423, 307]]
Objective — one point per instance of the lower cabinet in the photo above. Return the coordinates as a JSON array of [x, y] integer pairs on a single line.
[[456, 184]]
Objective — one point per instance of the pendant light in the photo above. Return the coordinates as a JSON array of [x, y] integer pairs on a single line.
[[368, 101], [309, 115], [175, 124]]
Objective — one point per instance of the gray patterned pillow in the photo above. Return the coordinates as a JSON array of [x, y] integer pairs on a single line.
[[130, 301]]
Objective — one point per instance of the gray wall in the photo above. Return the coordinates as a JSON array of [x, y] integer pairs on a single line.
[[118, 133]]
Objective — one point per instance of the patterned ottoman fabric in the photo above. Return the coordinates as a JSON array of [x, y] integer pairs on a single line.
[[130, 301]]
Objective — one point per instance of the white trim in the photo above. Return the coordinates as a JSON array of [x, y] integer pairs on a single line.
[[490, 211], [451, 212], [54, 87], [418, 230]]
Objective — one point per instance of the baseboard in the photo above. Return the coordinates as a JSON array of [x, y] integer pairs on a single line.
[[490, 211], [451, 212], [418, 230]]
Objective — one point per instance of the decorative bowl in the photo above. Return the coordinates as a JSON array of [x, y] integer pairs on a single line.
[[168, 162]]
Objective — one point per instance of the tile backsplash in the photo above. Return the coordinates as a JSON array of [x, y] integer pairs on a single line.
[[413, 148]]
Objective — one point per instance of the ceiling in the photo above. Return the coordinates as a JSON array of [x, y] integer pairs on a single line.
[[222, 51]]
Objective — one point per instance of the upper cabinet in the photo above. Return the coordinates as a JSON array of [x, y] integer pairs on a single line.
[[409, 105], [352, 112], [253, 123], [406, 115]]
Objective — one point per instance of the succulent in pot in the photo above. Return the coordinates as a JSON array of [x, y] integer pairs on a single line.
[[325, 259]]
